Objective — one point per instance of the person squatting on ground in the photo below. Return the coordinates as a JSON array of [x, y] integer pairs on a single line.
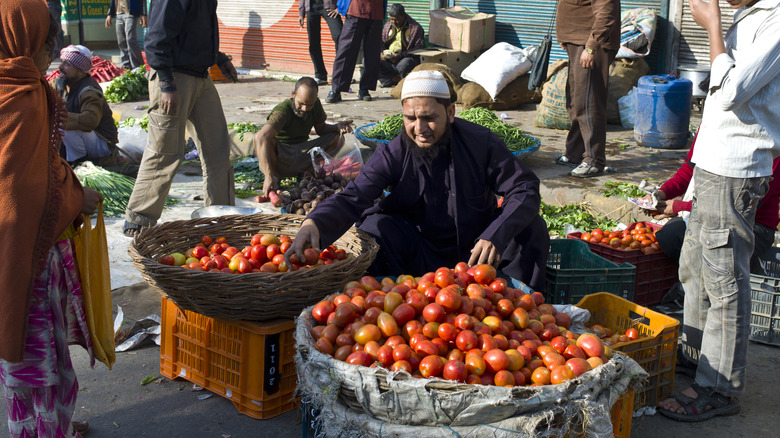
[[282, 145], [362, 25], [313, 11], [589, 31], [445, 174], [739, 137], [41, 306], [90, 133], [129, 14], [181, 44], [400, 36]]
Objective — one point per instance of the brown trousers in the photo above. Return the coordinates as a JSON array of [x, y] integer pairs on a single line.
[[586, 102], [199, 110]]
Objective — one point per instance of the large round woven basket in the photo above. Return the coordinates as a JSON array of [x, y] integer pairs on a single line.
[[253, 296]]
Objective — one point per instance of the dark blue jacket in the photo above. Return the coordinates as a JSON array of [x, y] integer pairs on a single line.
[[183, 37], [137, 8], [482, 167]]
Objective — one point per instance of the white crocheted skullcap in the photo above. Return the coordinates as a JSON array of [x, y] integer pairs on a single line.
[[425, 84]]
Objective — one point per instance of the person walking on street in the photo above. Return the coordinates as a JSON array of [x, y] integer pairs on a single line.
[[589, 31], [738, 139], [128, 13], [181, 44], [312, 11], [400, 35], [362, 25], [41, 304]]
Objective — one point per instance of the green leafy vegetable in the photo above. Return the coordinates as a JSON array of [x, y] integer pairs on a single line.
[[148, 379], [242, 128], [622, 189], [143, 122], [246, 170], [514, 138], [132, 85], [578, 215], [388, 128], [115, 188]]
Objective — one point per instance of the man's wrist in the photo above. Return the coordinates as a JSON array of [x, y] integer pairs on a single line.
[[591, 51]]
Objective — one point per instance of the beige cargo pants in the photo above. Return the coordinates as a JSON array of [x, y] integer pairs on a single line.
[[200, 110]]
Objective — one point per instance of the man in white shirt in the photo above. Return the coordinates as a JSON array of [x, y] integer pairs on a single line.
[[738, 139]]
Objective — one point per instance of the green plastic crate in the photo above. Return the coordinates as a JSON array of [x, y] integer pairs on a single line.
[[573, 271]]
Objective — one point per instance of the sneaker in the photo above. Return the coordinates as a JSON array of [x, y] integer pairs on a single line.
[[585, 170], [363, 95], [563, 160], [333, 97]]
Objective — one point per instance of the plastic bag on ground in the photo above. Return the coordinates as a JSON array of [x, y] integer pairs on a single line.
[[497, 67], [627, 106], [347, 161], [132, 142]]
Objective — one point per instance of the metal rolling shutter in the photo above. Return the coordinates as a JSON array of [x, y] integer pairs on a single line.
[[419, 10], [265, 33], [525, 24], [694, 43]]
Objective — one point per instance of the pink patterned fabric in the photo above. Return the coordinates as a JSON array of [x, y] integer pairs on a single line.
[[40, 391]]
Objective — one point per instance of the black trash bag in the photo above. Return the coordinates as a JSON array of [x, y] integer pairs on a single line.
[[542, 61]]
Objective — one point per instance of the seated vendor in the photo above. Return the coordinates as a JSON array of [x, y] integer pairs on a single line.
[[90, 133], [671, 236], [443, 174], [400, 35], [282, 145]]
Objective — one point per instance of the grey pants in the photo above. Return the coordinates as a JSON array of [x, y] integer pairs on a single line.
[[200, 111], [127, 38], [715, 274]]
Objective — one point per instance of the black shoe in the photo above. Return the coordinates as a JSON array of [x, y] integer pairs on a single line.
[[333, 97], [363, 95], [322, 81]]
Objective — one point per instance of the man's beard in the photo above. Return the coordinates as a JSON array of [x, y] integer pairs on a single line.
[[300, 114], [430, 153]]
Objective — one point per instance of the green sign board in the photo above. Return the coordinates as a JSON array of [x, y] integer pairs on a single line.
[[90, 9]]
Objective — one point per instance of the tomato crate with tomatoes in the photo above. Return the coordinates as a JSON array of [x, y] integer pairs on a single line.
[[252, 365], [573, 271], [655, 349], [656, 272]]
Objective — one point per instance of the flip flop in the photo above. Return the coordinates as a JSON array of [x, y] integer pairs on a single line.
[[130, 229], [696, 410]]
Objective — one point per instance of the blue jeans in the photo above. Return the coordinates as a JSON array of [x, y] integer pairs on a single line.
[[127, 38], [715, 274]]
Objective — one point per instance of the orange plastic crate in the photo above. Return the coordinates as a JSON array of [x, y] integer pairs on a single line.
[[252, 365], [621, 414], [655, 350]]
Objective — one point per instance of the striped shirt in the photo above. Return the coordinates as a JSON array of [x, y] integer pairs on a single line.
[[740, 130]]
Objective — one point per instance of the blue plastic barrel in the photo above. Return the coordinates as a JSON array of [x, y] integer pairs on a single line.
[[663, 111]]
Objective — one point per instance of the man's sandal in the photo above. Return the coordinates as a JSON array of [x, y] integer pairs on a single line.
[[696, 410], [130, 229]]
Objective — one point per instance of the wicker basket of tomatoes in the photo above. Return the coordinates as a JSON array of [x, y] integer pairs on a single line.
[[254, 293], [656, 272]]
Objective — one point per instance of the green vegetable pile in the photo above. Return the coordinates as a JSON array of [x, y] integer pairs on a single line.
[[143, 122], [388, 128], [130, 86], [514, 138], [246, 169], [242, 128], [115, 188], [623, 189], [578, 215]]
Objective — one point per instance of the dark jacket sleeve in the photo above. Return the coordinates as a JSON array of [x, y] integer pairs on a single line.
[[605, 32], [112, 9], [519, 186], [416, 36], [165, 23], [337, 213]]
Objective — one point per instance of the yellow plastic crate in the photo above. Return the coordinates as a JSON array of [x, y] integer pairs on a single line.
[[621, 415], [655, 350], [252, 365]]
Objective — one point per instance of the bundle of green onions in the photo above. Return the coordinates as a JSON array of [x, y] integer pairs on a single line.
[[115, 188]]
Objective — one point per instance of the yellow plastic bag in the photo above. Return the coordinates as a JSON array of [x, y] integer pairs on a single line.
[[92, 257]]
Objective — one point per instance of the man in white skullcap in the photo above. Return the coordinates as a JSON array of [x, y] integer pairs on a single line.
[[91, 133], [444, 175]]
